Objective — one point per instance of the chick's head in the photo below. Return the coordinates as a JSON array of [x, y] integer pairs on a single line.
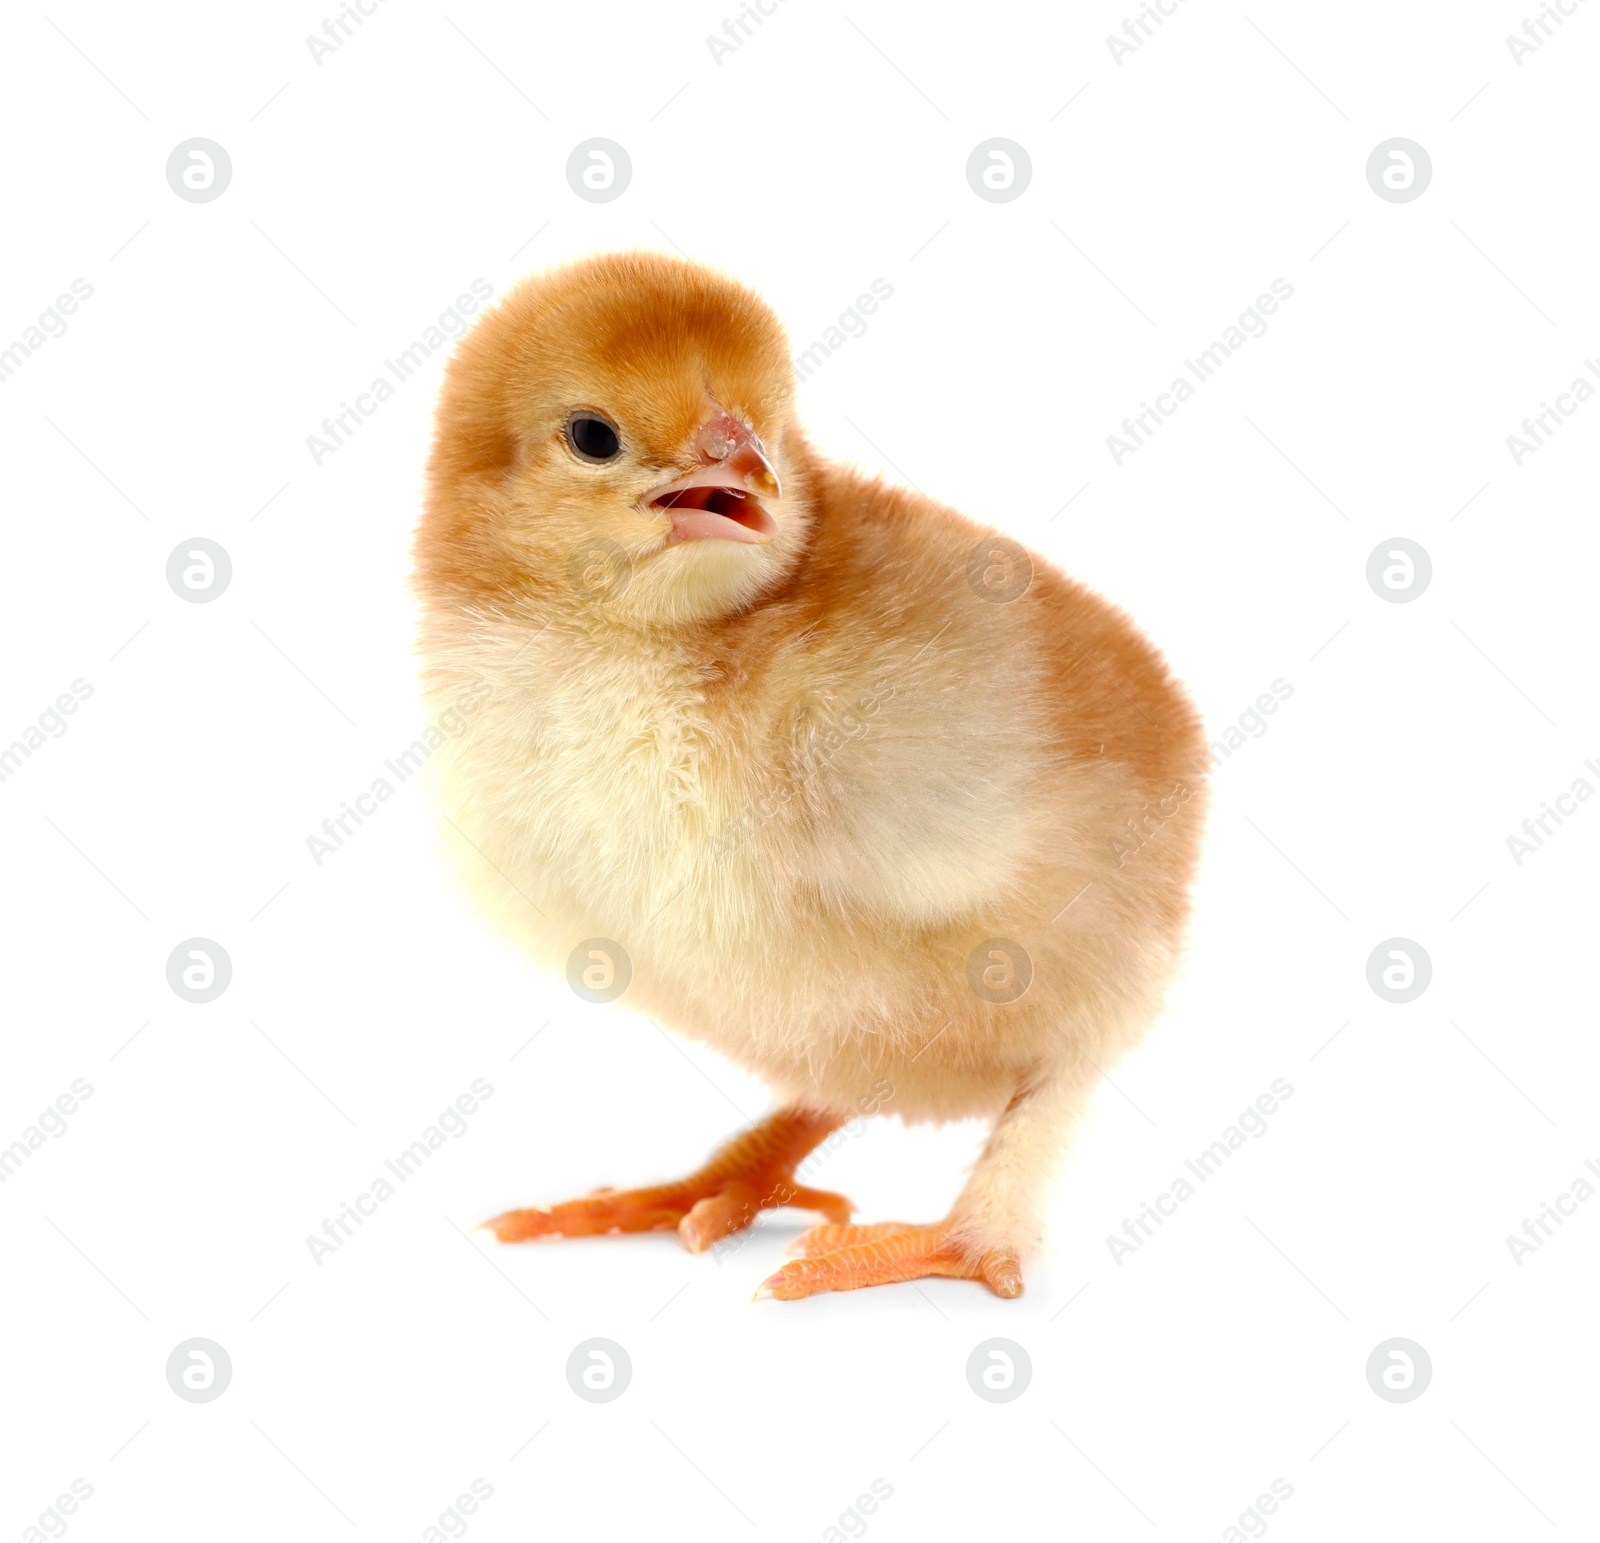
[[617, 436]]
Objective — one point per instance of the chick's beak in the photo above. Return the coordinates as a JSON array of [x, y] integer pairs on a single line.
[[719, 500]]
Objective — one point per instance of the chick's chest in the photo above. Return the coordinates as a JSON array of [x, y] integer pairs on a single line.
[[640, 754]]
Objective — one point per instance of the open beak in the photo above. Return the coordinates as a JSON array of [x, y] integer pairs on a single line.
[[720, 500]]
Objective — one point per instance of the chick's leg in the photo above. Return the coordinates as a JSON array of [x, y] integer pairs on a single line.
[[751, 1173], [993, 1224]]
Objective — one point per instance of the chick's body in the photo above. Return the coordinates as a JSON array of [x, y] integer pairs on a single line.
[[886, 811]]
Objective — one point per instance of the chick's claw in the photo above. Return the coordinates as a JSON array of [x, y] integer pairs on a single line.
[[841, 1258]]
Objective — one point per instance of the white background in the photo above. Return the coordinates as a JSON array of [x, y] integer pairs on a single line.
[[829, 150]]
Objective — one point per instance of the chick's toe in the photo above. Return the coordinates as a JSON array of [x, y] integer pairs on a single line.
[[752, 1173]]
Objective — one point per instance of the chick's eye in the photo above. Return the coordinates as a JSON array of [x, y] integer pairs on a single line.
[[592, 438]]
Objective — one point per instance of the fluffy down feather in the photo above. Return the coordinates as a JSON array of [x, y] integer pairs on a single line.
[[802, 783]]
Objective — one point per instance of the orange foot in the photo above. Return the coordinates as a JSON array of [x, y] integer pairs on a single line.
[[842, 1258], [752, 1173]]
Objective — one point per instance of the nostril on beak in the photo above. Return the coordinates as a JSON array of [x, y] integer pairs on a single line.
[[726, 441], [719, 437]]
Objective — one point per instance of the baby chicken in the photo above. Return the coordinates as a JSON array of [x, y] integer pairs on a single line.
[[884, 809]]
